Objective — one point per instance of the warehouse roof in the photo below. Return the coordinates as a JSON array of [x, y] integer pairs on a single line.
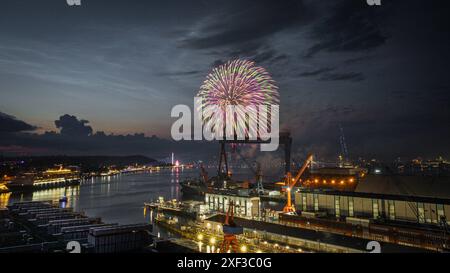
[[433, 189], [419, 186]]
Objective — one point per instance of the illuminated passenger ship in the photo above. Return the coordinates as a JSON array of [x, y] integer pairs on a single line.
[[51, 178]]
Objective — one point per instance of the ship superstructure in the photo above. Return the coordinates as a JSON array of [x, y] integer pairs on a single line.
[[50, 178]]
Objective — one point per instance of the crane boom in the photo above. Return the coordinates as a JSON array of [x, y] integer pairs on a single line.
[[291, 182], [294, 181]]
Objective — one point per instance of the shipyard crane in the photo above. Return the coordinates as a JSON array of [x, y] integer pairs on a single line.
[[204, 174], [259, 182], [291, 182], [230, 230], [257, 173]]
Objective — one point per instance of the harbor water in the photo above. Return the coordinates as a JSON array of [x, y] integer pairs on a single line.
[[119, 198]]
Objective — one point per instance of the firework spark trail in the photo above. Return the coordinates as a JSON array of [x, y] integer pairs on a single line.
[[238, 83]]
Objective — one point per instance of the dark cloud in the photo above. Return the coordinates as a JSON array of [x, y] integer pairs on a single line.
[[9, 124], [71, 126], [381, 71], [316, 72], [181, 73], [217, 63], [242, 29], [335, 111], [245, 21], [350, 26], [436, 95], [359, 59], [280, 57], [375, 135], [76, 138], [350, 76], [264, 56]]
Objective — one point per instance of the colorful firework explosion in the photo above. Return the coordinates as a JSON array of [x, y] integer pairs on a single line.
[[238, 83]]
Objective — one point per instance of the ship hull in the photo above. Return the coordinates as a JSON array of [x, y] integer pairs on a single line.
[[16, 187], [192, 190]]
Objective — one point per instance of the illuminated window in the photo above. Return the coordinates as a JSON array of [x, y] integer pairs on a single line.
[[304, 203], [391, 209], [316, 202], [428, 215], [421, 212], [375, 210], [440, 212], [337, 206], [350, 207]]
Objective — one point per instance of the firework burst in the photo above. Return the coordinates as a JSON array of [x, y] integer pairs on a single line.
[[238, 83]]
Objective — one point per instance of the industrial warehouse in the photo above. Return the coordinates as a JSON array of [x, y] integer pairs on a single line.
[[387, 198]]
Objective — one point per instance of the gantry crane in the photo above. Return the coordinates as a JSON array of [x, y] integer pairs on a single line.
[[291, 182], [259, 189], [230, 230], [204, 174]]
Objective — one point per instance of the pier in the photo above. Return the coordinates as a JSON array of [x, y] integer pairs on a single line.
[[42, 226]]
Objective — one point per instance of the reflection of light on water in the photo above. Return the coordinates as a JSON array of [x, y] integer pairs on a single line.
[[175, 180], [55, 195], [4, 199], [97, 198]]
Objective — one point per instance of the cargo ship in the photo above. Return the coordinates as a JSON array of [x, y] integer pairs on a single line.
[[330, 175], [51, 178], [193, 187], [204, 184]]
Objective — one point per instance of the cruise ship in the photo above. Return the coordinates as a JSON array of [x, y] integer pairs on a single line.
[[51, 178]]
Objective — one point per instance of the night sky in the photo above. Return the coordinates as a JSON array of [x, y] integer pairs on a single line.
[[118, 67]]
